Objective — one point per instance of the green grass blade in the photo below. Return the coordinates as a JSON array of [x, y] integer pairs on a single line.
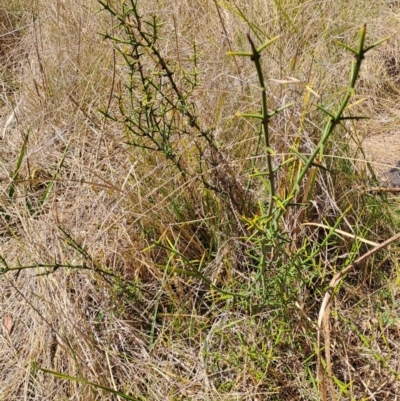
[[50, 186], [84, 381], [285, 15], [11, 190]]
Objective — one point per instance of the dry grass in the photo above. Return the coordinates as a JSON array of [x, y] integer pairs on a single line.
[[114, 316]]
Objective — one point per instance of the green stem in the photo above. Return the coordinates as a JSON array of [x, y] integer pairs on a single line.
[[334, 120], [256, 58]]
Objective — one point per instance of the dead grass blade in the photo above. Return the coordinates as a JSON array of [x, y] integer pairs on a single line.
[[8, 323], [325, 377]]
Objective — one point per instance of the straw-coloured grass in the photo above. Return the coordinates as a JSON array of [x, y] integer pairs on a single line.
[[154, 265]]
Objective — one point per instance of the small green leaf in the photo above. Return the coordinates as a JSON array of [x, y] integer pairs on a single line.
[[249, 115], [240, 54], [266, 44], [276, 111], [339, 43], [376, 43], [326, 111]]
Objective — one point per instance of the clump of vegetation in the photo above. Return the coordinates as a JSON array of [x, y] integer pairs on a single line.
[[188, 213]]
